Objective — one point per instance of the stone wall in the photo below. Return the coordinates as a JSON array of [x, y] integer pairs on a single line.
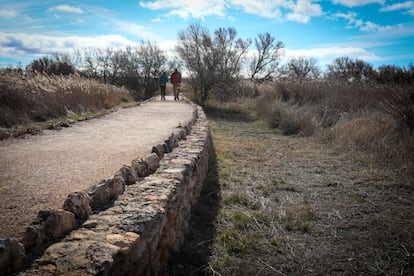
[[129, 223]]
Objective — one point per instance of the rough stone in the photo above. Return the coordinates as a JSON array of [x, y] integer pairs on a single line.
[[159, 150], [172, 141], [129, 174], [79, 250], [187, 129], [106, 191], [49, 225], [140, 167], [12, 255], [123, 241], [4, 134], [153, 162], [181, 134], [79, 204]]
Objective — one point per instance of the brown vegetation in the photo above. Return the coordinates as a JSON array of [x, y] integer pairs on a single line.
[[37, 97], [291, 205], [376, 119]]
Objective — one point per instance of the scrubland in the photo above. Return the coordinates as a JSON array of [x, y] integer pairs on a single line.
[[308, 179]]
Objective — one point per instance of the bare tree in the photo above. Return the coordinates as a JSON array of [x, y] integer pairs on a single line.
[[88, 58], [301, 69], [150, 60], [347, 69], [196, 52], [212, 61], [264, 64], [231, 51], [104, 64], [135, 68]]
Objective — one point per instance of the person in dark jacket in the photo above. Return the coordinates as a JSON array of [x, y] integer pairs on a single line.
[[163, 84], [176, 82]]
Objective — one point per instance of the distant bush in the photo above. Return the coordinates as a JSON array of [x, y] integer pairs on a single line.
[[276, 107], [39, 97], [398, 101], [291, 120], [51, 66]]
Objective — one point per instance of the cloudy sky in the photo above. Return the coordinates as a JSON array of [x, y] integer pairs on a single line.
[[376, 31]]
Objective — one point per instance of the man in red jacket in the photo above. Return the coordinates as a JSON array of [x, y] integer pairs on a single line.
[[176, 81]]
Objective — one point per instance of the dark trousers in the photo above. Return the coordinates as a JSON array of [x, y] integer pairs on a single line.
[[176, 90], [162, 87]]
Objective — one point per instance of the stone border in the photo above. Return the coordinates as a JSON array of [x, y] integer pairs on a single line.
[[85, 213]]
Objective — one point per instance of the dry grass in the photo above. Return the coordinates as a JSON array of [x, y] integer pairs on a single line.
[[287, 205], [33, 98], [378, 120]]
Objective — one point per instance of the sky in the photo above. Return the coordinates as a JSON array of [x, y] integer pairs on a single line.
[[380, 32]]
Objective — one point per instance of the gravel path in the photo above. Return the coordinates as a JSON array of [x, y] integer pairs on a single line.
[[40, 171]]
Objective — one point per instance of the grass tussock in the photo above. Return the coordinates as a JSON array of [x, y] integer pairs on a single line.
[[37, 97], [378, 120]]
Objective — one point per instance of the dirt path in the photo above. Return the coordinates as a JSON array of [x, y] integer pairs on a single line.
[[40, 171], [288, 205]]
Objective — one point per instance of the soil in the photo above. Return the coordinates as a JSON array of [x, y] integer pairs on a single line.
[[38, 172], [288, 205]]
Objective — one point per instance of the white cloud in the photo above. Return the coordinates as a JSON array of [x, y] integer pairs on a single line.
[[405, 6], [307, 7], [369, 26], [326, 55], [354, 22], [185, 9], [299, 11], [69, 9], [134, 29], [398, 6], [7, 13], [303, 10], [13, 44], [268, 9], [297, 17], [356, 3]]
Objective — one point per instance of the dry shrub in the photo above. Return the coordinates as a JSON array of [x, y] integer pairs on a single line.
[[342, 97], [376, 133], [301, 93], [375, 119], [362, 130], [26, 98], [398, 101], [291, 119]]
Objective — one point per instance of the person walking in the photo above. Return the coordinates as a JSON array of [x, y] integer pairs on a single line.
[[176, 82], [163, 84]]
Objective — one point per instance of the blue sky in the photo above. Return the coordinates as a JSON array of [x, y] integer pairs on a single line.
[[376, 31]]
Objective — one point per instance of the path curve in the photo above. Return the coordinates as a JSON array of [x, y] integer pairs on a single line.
[[40, 171]]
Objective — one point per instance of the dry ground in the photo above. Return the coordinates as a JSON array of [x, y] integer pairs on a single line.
[[279, 205]]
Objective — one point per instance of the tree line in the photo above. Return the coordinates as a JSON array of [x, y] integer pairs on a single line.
[[214, 62]]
